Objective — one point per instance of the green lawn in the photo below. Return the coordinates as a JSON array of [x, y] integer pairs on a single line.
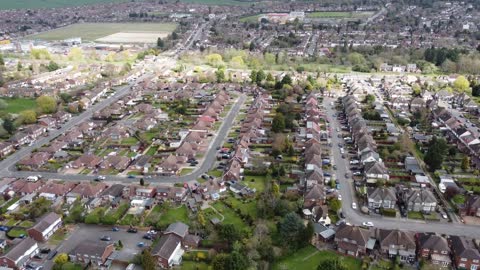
[[17, 105], [34, 4], [230, 216], [189, 265], [57, 237], [246, 208], [93, 31], [186, 171], [253, 18], [338, 14], [258, 182], [10, 222], [173, 215], [16, 232], [414, 215], [71, 266], [215, 173], [26, 224], [309, 258], [129, 141]]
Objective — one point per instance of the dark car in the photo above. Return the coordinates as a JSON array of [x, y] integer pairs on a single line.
[[132, 230], [147, 236], [131, 176], [39, 256], [45, 250]]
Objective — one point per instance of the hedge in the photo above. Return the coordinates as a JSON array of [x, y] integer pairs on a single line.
[[389, 212]]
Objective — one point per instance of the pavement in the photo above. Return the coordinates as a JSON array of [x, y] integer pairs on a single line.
[[7, 166], [356, 217]]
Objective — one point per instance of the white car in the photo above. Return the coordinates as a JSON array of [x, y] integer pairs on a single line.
[[367, 224], [339, 197], [354, 205]]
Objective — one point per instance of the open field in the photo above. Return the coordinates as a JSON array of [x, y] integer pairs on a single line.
[[253, 18], [339, 14], [129, 37], [17, 105], [94, 31], [19, 4]]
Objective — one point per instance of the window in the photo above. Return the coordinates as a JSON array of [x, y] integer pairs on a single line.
[[475, 261], [474, 267], [463, 259], [462, 265]]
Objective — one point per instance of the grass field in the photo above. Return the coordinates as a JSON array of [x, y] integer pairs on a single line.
[[174, 215], [93, 31], [308, 259], [339, 14], [19, 4], [16, 105], [253, 18]]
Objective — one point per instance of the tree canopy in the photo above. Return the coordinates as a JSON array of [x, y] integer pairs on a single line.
[[47, 104]]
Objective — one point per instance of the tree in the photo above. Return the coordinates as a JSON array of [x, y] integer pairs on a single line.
[[356, 59], [8, 126], [335, 204], [214, 59], [286, 80], [220, 262], [220, 74], [2, 62], [260, 76], [461, 84], [331, 264], [236, 261], [148, 261], [253, 76], [229, 233], [65, 97], [47, 104], [476, 90], [436, 152], [28, 117], [174, 35], [201, 219], [52, 66], [369, 99], [3, 104], [465, 163], [142, 182], [290, 229], [278, 123], [120, 244], [160, 43], [61, 259]]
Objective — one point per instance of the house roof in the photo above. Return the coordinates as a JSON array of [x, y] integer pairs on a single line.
[[19, 250], [46, 222], [396, 237], [358, 234], [178, 228], [464, 248], [317, 192], [432, 242], [91, 248], [420, 196], [383, 193], [114, 190], [166, 246], [88, 190]]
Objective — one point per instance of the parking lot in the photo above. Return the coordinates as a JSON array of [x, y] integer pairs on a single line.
[[94, 233]]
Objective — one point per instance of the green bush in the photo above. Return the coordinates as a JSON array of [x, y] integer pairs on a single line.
[[389, 212]]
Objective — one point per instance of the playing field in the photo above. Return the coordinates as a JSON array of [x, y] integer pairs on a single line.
[[339, 14], [18, 4], [110, 32]]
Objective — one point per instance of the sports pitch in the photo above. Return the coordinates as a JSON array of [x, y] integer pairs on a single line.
[[110, 32]]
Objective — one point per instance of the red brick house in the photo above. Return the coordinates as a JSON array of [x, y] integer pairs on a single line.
[[17, 257], [465, 255], [45, 227], [94, 252]]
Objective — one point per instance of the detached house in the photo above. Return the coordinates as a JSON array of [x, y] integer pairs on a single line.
[[45, 227], [420, 200]]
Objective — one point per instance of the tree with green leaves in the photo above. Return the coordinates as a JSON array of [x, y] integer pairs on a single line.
[[335, 204], [436, 152], [220, 75], [461, 84], [2, 62], [278, 123], [260, 76], [286, 80], [229, 233], [253, 76], [52, 66], [290, 229], [142, 182], [47, 104], [61, 259], [148, 261], [9, 126], [465, 163], [160, 43], [28, 117]]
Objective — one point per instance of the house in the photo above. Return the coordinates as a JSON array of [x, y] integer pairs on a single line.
[[376, 170], [6, 148], [433, 247], [169, 165], [113, 192], [17, 257], [465, 254], [321, 233], [45, 227], [89, 161], [87, 190], [420, 200], [395, 243], [168, 252], [35, 160], [51, 190], [412, 166], [92, 252], [352, 240], [119, 163], [315, 196], [382, 197]]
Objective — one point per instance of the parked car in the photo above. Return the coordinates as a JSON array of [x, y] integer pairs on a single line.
[[339, 197], [147, 236], [115, 229], [131, 176], [45, 250], [367, 224], [52, 254], [140, 244], [132, 230], [105, 238], [354, 205]]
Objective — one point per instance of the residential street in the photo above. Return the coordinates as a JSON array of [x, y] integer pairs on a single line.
[[8, 165], [356, 217]]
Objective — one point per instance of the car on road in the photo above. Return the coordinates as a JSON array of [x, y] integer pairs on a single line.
[[334, 167], [131, 176], [45, 250], [367, 224], [39, 256], [52, 254], [354, 205], [115, 229], [140, 244], [339, 197], [132, 230], [444, 215], [105, 238], [347, 175], [354, 162], [148, 236]]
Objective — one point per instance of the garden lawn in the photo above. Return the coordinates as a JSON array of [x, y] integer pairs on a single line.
[[16, 232], [17, 105], [57, 237], [246, 208], [173, 215], [186, 171], [230, 216], [415, 215], [26, 224], [309, 258], [258, 182], [215, 173], [189, 265]]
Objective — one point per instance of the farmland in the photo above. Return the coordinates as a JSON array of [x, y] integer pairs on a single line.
[[33, 4], [93, 31]]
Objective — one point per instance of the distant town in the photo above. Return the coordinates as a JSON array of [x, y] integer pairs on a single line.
[[240, 135]]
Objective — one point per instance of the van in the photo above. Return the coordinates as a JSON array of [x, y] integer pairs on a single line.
[[32, 178]]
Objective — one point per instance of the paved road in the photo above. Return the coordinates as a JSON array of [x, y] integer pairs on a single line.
[[356, 217], [208, 161]]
